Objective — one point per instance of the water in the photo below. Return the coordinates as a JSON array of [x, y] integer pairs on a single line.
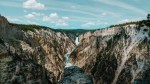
[[77, 41], [67, 55]]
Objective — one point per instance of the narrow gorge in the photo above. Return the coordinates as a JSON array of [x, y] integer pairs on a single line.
[[32, 54]]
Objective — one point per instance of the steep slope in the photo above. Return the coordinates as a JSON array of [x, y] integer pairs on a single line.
[[31, 55], [120, 54]]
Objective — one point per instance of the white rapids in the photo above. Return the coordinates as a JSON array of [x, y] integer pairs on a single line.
[[67, 55]]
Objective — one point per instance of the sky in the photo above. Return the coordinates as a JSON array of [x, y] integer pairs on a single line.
[[74, 14]]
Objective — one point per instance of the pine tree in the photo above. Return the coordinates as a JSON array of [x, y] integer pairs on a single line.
[[148, 17]]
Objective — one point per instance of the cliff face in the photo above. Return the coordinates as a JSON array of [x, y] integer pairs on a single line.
[[31, 56], [118, 54]]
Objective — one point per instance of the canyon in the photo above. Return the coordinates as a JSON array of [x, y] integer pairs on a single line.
[[31, 54], [116, 55]]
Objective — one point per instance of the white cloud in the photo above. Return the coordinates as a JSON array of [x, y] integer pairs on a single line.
[[61, 23], [33, 4], [88, 24], [33, 15], [65, 18], [55, 19], [37, 14], [29, 16]]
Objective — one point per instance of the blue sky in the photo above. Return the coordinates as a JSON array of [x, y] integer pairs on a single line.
[[74, 14]]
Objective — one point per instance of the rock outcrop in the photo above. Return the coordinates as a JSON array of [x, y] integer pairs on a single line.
[[3, 24], [116, 55], [75, 75], [31, 56]]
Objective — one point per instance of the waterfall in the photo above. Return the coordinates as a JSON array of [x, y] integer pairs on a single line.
[[77, 41], [67, 55]]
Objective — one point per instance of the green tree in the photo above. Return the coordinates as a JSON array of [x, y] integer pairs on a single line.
[[148, 17]]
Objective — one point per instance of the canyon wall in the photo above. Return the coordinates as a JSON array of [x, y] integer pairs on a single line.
[[116, 55], [31, 56]]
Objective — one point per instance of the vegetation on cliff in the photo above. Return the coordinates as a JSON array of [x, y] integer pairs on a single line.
[[32, 27], [140, 23]]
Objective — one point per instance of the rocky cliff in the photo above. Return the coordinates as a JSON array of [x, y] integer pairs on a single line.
[[31, 55], [116, 55]]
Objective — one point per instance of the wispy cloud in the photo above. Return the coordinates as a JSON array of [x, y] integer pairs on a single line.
[[103, 13], [123, 5], [88, 10], [73, 11], [88, 24], [10, 3]]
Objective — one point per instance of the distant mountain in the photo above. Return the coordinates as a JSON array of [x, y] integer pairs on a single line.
[[75, 32], [25, 27]]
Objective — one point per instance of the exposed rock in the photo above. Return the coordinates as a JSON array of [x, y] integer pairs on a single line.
[[3, 21], [75, 75], [31, 54], [32, 57], [119, 54], [3, 24]]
